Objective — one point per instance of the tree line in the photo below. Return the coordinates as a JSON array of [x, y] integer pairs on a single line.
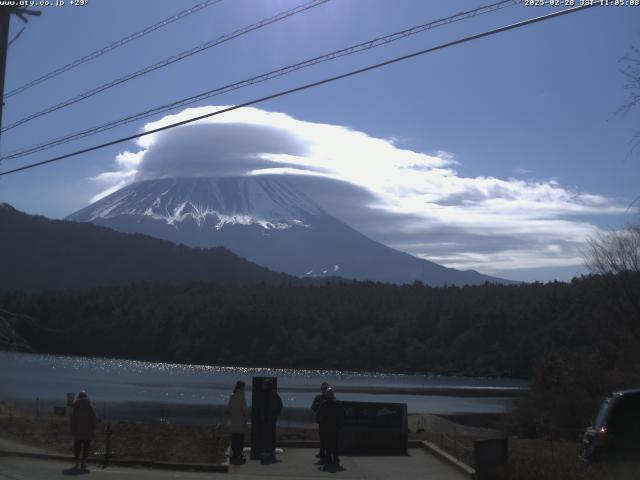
[[477, 330]]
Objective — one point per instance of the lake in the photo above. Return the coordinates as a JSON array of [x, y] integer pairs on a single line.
[[131, 388]]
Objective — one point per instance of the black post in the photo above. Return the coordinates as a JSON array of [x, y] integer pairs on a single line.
[[107, 448], [5, 16], [257, 403]]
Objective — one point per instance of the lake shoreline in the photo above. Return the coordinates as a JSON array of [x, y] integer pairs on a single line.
[[288, 368]]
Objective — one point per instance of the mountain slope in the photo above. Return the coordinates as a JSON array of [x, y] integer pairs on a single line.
[[267, 220], [37, 253]]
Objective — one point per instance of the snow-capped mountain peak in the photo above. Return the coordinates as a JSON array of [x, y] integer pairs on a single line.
[[265, 219], [267, 202]]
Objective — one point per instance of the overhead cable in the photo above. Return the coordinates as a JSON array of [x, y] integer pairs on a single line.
[[309, 85], [111, 47], [166, 62], [370, 44]]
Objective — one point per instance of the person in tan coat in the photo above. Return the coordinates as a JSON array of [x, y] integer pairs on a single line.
[[239, 415], [83, 426]]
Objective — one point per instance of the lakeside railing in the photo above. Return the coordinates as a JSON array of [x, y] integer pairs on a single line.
[[156, 440], [556, 450]]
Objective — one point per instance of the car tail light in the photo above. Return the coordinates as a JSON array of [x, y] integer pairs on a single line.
[[601, 437]]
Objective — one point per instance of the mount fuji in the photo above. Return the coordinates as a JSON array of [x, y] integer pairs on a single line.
[[267, 220]]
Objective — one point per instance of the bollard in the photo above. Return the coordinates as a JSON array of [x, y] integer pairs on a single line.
[[455, 442], [107, 448], [220, 446], [489, 455]]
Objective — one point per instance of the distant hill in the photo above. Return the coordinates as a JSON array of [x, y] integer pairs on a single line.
[[37, 253]]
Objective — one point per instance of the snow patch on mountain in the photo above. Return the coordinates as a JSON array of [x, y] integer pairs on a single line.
[[267, 202]]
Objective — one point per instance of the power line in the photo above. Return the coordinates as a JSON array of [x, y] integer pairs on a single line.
[[310, 85], [111, 47], [376, 42], [168, 61], [15, 37]]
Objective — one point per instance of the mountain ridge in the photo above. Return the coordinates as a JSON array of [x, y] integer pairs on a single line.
[[43, 254]]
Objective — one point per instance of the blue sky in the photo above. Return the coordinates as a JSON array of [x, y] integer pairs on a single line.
[[523, 157]]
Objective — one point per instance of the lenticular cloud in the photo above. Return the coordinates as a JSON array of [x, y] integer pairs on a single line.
[[409, 200]]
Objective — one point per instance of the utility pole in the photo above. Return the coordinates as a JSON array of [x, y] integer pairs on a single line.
[[5, 16], [5, 20]]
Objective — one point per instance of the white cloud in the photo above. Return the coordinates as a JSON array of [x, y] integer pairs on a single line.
[[114, 180], [409, 200]]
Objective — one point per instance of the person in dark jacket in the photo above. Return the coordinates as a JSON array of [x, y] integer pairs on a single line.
[[331, 414], [315, 406], [272, 407], [83, 426]]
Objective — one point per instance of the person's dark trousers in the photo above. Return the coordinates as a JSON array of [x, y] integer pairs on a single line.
[[270, 437], [83, 445], [237, 443], [323, 440], [331, 439]]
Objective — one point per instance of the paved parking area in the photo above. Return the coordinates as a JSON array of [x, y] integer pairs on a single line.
[[292, 463], [301, 463]]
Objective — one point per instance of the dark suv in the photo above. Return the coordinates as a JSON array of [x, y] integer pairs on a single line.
[[616, 429]]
